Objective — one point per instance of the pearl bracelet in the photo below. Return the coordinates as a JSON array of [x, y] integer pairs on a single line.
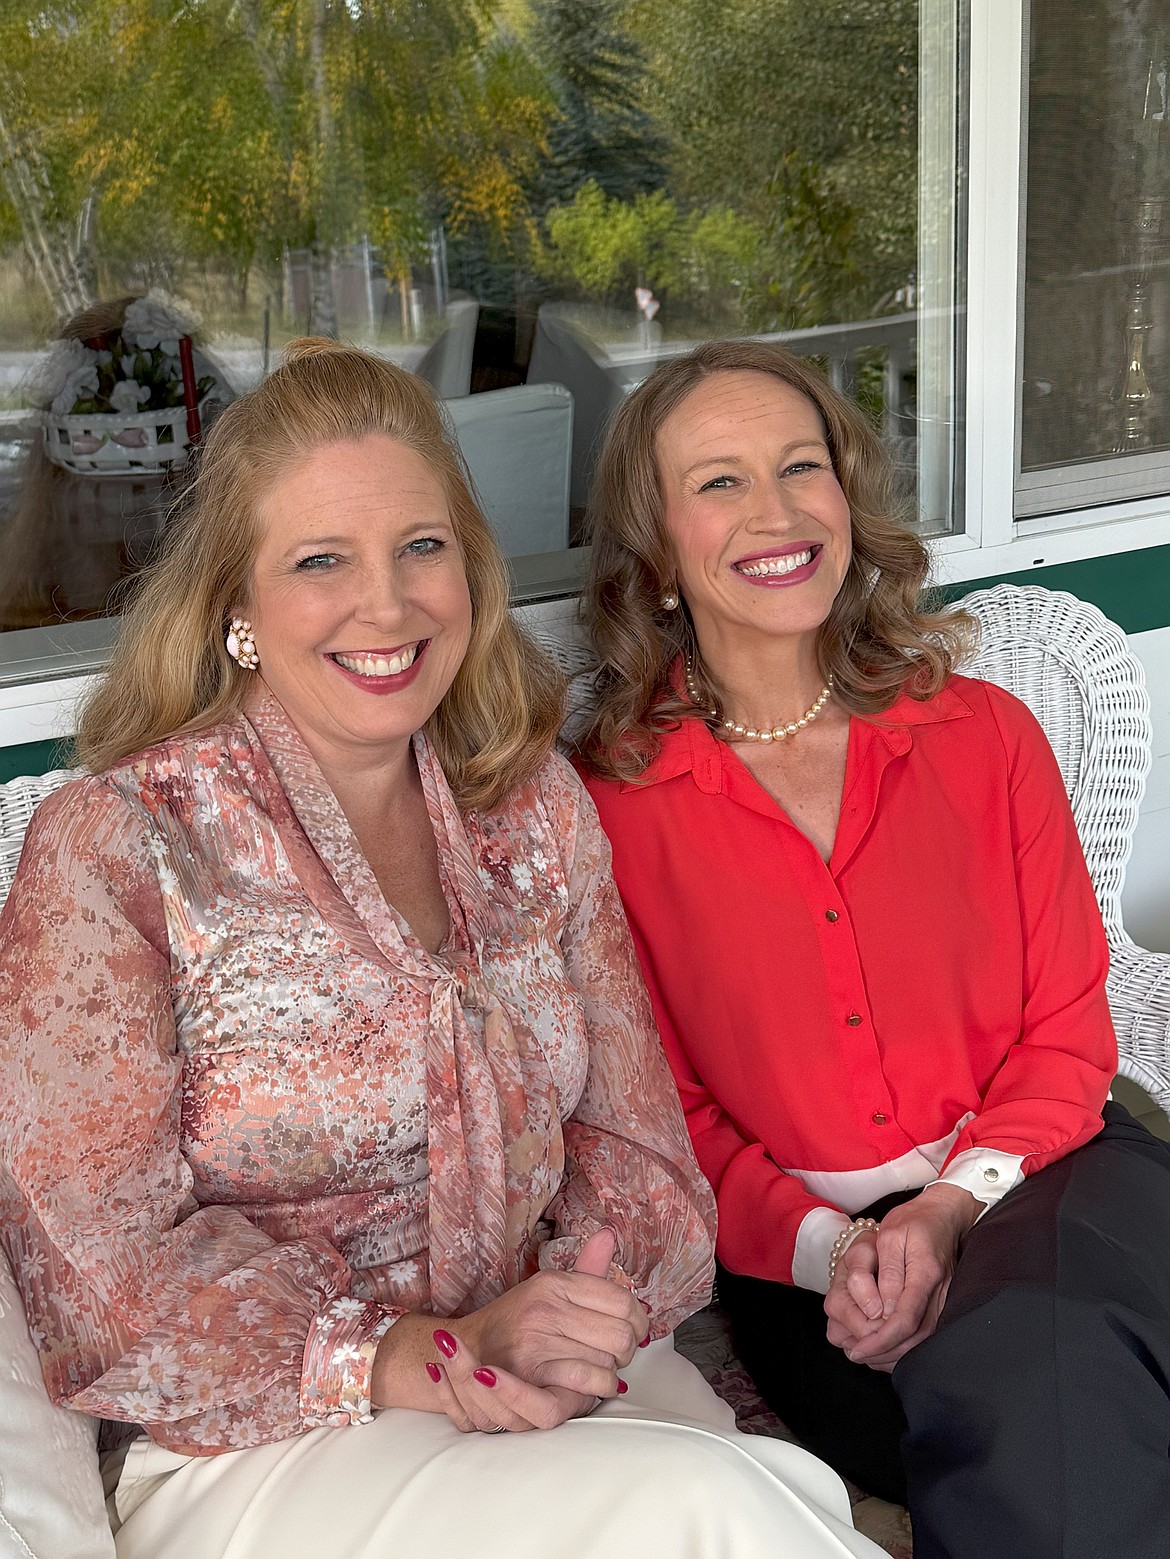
[[846, 1237]]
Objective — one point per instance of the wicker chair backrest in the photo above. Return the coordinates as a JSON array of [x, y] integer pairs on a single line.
[[1076, 672], [18, 800]]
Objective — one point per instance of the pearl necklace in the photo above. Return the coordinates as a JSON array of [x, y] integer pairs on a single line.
[[748, 733]]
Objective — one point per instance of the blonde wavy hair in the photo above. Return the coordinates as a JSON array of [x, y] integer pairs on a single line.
[[880, 638], [170, 671]]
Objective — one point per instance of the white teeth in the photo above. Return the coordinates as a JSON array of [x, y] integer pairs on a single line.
[[767, 567], [379, 665]]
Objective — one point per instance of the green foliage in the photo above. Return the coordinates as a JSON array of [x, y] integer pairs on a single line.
[[804, 118], [596, 72], [808, 269], [603, 247], [721, 255], [754, 161]]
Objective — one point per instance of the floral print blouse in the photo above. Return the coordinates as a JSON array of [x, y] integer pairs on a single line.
[[246, 1120]]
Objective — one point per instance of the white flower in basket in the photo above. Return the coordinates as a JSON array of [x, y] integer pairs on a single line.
[[158, 320], [64, 359], [79, 382], [118, 405], [128, 395]]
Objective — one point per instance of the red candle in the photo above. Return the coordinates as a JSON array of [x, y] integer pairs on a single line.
[[190, 390]]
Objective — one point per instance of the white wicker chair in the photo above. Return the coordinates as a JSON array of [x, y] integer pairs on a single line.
[[18, 800], [1075, 671]]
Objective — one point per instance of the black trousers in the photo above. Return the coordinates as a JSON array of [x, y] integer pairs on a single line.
[[1035, 1423]]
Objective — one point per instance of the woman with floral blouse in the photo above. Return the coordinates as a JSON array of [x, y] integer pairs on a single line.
[[333, 1126]]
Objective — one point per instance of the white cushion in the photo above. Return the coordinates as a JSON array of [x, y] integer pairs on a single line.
[[518, 444], [51, 1504]]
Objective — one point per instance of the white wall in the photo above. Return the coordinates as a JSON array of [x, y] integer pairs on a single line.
[[40, 711], [1146, 900]]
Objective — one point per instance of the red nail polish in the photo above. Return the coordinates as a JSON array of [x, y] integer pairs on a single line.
[[435, 1373], [622, 1388], [445, 1343], [643, 1303], [645, 1343], [485, 1377]]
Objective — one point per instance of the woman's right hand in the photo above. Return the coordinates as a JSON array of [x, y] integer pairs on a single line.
[[477, 1397], [571, 1331], [553, 1345], [890, 1287]]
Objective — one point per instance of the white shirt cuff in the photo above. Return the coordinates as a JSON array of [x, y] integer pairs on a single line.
[[988, 1175], [814, 1245]]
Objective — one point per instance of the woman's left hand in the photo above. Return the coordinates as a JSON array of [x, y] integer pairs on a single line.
[[889, 1291]]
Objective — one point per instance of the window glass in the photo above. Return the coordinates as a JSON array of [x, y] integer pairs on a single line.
[[505, 196], [1095, 417]]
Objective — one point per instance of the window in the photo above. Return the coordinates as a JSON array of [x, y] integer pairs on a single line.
[[1095, 294], [498, 196]]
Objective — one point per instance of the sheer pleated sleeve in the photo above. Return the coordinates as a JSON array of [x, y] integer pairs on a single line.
[[144, 1306], [629, 1161]]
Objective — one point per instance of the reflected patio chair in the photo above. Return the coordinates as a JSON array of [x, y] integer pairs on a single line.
[[562, 354], [446, 363], [518, 445]]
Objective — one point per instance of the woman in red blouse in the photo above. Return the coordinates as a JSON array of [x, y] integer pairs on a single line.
[[878, 971]]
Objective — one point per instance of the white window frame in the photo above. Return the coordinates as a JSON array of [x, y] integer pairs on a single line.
[[992, 541]]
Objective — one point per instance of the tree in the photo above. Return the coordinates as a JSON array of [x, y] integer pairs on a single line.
[[606, 247], [596, 72], [222, 131], [45, 200], [603, 248], [159, 158], [485, 132], [803, 118]]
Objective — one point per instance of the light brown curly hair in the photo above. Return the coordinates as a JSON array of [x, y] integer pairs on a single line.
[[880, 638], [171, 672]]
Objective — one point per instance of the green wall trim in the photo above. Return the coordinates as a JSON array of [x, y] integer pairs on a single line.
[[1132, 588], [32, 758]]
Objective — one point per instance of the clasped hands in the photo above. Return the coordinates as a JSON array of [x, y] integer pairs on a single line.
[[544, 1352], [890, 1286]]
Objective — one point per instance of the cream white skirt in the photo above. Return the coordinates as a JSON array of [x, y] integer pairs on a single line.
[[662, 1472]]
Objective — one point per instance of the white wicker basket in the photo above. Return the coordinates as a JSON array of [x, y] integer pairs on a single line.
[[116, 443]]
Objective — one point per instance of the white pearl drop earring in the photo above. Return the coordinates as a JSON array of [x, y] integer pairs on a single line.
[[241, 646]]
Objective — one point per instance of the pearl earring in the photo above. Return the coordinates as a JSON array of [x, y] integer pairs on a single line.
[[241, 646], [670, 601]]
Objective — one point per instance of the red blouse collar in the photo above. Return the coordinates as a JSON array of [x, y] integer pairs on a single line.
[[691, 748]]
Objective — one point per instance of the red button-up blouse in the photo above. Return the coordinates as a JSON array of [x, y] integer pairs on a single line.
[[930, 1003]]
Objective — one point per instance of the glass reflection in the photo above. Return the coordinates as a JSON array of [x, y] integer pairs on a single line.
[[1097, 255], [504, 195]]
